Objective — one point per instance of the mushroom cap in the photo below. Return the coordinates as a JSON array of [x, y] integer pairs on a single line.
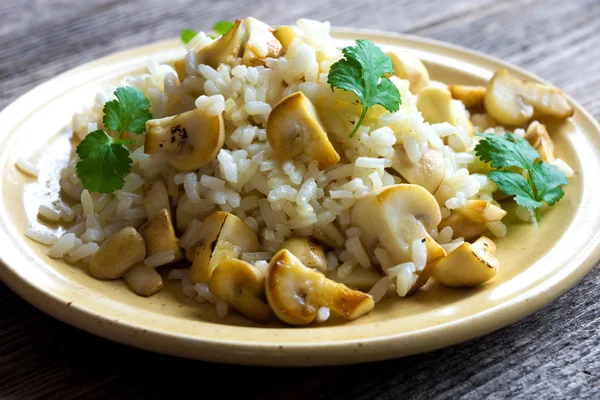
[[481, 211], [191, 140], [222, 236], [468, 265], [224, 50], [409, 67], [285, 34], [511, 101], [156, 198], [243, 287], [435, 105], [144, 280], [160, 236], [295, 292], [463, 227], [428, 172], [308, 252], [294, 126], [260, 43], [471, 96], [121, 251], [538, 137], [394, 217]]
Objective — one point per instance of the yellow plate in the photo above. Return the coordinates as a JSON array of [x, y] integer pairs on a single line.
[[537, 263]]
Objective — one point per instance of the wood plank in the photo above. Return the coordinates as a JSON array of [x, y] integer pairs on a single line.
[[551, 354]]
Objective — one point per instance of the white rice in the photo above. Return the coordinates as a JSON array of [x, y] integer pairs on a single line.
[[158, 259], [323, 314], [49, 213]]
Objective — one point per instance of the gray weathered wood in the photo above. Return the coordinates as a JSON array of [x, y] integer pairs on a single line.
[[550, 354]]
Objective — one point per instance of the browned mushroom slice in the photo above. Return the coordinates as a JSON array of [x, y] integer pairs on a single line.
[[295, 292]]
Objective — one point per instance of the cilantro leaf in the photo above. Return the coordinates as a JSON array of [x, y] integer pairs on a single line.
[[187, 35], [509, 150], [535, 183], [103, 162], [363, 71], [547, 180], [222, 27], [129, 112], [514, 184]]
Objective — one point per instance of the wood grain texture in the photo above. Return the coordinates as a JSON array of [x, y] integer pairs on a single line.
[[553, 353]]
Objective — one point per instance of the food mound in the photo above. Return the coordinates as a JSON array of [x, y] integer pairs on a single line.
[[272, 172]]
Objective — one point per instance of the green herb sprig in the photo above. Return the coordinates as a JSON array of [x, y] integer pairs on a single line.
[[363, 71], [519, 172], [104, 160], [219, 28]]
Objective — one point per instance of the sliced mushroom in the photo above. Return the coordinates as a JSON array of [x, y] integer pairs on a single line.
[[144, 280], [222, 236], [481, 211], [156, 198], [308, 252], [428, 172], [393, 218], [295, 292], [360, 278], [537, 136], [471, 96], [243, 287], [160, 236], [260, 43], [435, 105], [409, 67], [463, 227], [191, 140], [294, 126], [286, 35], [468, 265], [121, 251], [511, 101]]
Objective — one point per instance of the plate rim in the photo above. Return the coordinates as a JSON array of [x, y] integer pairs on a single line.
[[324, 352]]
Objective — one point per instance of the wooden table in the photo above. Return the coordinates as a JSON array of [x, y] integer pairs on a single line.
[[553, 353]]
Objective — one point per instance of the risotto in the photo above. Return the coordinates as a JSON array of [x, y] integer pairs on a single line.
[[272, 173]]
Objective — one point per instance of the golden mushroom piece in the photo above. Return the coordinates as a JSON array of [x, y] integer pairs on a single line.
[[468, 265], [156, 198], [308, 252], [243, 287], [160, 236], [294, 126], [538, 138], [511, 101], [190, 140], [286, 35], [394, 218], [222, 236], [223, 50], [295, 292], [428, 172], [470, 221], [260, 43], [121, 251], [144, 280], [437, 106], [409, 67], [471, 96]]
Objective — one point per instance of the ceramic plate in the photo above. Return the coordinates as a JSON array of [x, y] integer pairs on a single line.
[[538, 263]]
